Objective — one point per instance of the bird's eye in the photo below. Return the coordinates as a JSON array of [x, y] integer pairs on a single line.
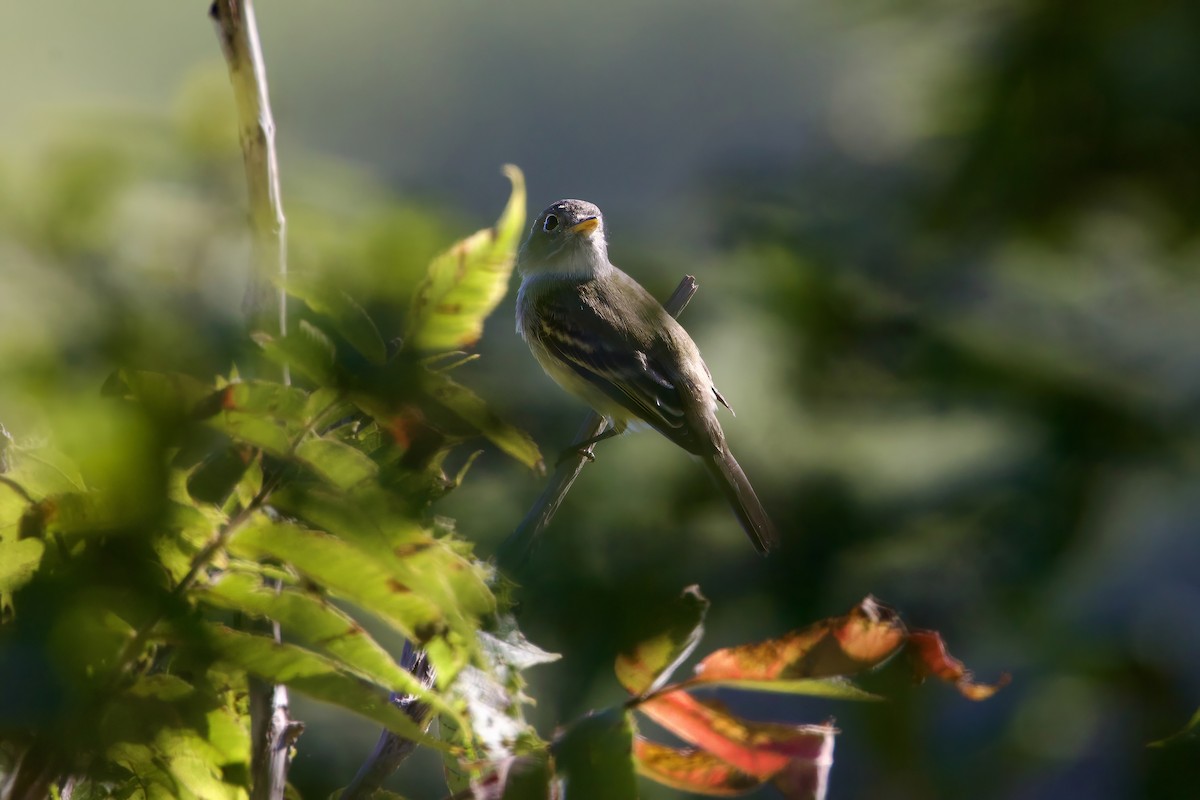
[[550, 224]]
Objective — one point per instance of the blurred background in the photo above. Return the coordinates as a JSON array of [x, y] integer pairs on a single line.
[[947, 257]]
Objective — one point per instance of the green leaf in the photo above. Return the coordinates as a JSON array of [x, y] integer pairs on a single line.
[[267, 398], [425, 565], [166, 394], [321, 626], [18, 561], [43, 471], [346, 571], [347, 316], [340, 464], [214, 478], [1189, 731], [833, 688], [464, 284], [255, 430], [316, 676], [309, 351], [648, 665], [596, 757], [472, 408]]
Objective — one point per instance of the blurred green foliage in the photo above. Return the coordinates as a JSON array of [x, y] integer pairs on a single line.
[[958, 323]]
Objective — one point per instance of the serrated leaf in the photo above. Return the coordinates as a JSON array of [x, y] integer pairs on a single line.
[[340, 464], [472, 409], [648, 665], [344, 570], [308, 350], [320, 625], [595, 755], [316, 676], [428, 566], [347, 316], [464, 284]]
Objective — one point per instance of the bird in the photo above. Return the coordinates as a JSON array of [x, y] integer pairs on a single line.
[[605, 339]]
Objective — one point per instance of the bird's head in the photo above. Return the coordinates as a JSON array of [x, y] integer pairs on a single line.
[[565, 239]]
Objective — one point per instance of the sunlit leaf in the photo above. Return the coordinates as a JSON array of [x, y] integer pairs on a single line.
[[320, 625], [42, 471], [648, 666], [690, 770], [316, 676], [347, 316], [263, 398], [340, 464], [464, 284], [838, 646], [595, 755], [345, 571], [18, 561], [761, 749], [255, 430]]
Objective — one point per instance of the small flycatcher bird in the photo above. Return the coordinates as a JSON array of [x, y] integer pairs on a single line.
[[605, 339]]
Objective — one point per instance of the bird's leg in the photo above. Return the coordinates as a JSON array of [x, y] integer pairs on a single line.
[[582, 448]]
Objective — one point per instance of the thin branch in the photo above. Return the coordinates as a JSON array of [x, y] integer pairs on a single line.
[[391, 750], [516, 549], [272, 729], [237, 31]]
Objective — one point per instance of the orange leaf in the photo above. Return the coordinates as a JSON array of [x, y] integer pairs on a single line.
[[690, 770], [930, 657], [864, 638], [761, 749]]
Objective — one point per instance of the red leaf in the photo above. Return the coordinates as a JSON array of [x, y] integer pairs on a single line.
[[761, 749], [865, 637], [930, 658]]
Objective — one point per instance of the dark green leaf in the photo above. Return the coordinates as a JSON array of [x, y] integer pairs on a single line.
[[308, 350], [596, 757], [472, 408], [347, 316]]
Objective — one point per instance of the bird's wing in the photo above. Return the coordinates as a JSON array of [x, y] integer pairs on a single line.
[[610, 358]]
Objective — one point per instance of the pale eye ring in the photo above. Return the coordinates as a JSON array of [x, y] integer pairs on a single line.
[[550, 224]]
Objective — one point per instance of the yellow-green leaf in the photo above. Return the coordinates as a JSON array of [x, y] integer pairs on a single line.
[[464, 284]]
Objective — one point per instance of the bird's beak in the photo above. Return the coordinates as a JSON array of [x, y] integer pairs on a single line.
[[586, 227]]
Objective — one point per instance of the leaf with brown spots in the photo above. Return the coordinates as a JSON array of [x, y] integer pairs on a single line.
[[466, 283]]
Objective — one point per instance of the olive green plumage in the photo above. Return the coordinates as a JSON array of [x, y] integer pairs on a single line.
[[605, 339]]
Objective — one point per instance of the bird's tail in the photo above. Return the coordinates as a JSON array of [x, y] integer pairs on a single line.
[[736, 487]]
